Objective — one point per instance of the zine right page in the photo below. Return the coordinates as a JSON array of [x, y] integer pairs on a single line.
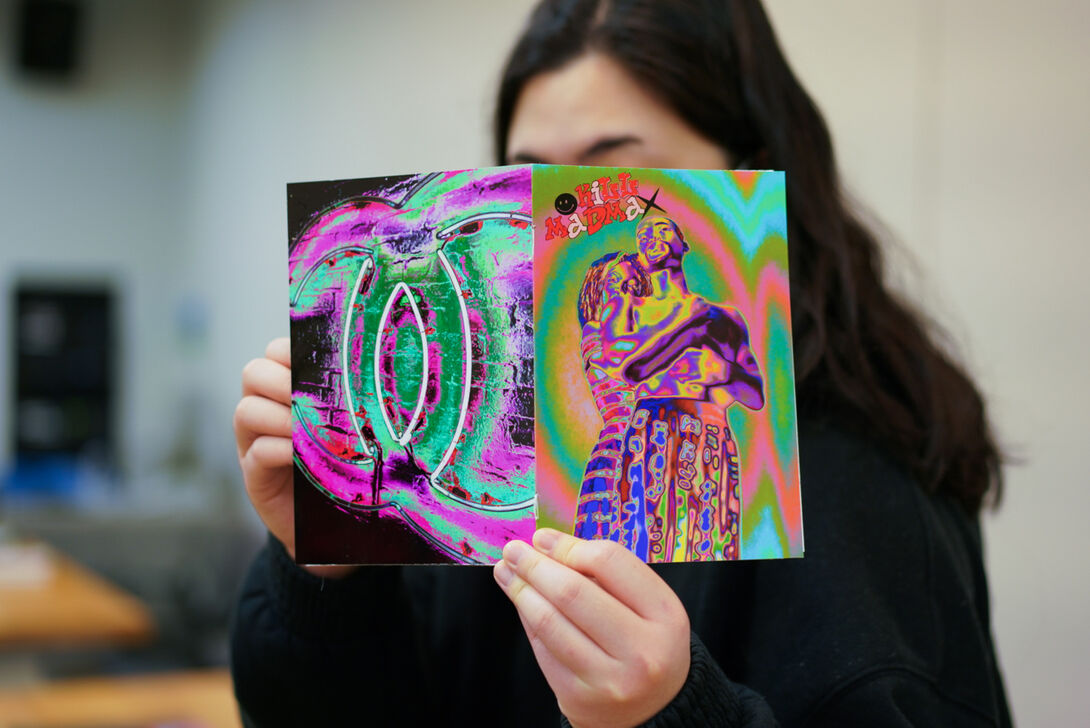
[[665, 394]]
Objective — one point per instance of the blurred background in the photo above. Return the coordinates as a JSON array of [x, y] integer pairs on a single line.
[[144, 149]]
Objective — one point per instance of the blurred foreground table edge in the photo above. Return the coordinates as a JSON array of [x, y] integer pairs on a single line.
[[202, 698]]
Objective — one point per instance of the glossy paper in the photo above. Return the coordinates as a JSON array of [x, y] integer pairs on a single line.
[[604, 351]]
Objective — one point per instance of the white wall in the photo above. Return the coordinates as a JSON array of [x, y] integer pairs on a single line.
[[91, 178], [964, 125], [338, 89]]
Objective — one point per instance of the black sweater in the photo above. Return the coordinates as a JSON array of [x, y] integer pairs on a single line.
[[883, 623]]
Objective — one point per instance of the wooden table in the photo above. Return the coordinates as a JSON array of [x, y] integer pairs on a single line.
[[63, 605], [198, 698], [69, 606]]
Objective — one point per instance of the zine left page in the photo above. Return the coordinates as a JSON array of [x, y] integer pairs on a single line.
[[411, 304]]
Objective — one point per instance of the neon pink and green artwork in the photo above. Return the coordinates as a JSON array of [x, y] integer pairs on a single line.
[[479, 353]]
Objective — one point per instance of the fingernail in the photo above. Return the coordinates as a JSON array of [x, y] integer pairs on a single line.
[[514, 551], [503, 574], [545, 539]]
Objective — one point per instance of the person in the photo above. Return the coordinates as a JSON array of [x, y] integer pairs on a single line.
[[611, 289], [689, 360], [713, 339], [669, 362], [885, 622]]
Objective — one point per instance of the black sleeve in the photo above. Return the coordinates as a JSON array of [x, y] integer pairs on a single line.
[[899, 698], [892, 697], [312, 651], [880, 624], [708, 699]]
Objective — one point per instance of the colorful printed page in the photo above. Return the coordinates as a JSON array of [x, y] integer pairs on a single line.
[[480, 353]]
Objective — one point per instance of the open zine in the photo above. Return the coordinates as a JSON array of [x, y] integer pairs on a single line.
[[479, 353]]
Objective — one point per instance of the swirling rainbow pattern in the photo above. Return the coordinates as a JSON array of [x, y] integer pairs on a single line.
[[735, 224]]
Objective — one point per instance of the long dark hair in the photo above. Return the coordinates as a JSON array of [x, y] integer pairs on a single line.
[[861, 354]]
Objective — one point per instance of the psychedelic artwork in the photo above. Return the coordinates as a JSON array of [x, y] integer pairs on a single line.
[[479, 353], [411, 305], [665, 384]]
